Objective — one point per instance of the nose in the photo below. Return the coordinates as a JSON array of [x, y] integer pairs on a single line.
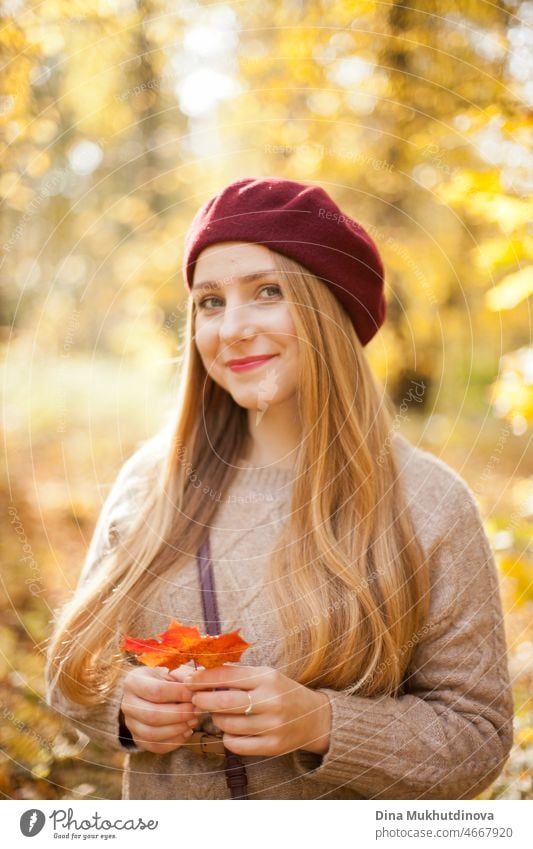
[[235, 324]]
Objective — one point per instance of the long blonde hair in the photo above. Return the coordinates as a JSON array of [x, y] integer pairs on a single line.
[[348, 578]]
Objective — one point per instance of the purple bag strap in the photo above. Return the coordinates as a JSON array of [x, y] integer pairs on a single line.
[[236, 777], [207, 584]]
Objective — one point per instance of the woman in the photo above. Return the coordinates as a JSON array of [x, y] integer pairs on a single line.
[[354, 563]]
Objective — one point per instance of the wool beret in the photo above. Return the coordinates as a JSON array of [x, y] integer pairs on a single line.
[[302, 222]]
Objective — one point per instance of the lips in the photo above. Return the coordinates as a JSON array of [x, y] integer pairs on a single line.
[[249, 362], [246, 360]]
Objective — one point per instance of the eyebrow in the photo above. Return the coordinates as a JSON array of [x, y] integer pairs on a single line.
[[246, 278]]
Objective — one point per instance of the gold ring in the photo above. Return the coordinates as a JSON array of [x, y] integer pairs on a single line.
[[248, 710]]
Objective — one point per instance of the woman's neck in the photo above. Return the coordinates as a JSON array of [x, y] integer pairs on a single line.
[[272, 442]]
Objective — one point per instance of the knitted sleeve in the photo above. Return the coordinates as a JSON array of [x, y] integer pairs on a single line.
[[449, 736], [104, 722]]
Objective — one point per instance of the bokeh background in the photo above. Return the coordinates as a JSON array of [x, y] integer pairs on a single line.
[[118, 119]]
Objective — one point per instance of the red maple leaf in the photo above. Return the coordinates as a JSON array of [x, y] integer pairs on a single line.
[[224, 648], [179, 644]]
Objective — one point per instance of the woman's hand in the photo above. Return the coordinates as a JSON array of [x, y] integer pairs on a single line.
[[157, 708], [285, 715]]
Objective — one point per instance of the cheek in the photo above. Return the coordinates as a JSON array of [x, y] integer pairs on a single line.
[[287, 327], [206, 340]]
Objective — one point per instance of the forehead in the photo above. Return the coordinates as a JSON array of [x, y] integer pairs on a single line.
[[224, 260]]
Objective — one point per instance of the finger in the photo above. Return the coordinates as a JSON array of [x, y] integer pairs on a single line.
[[223, 701], [165, 674], [160, 749], [249, 745], [167, 746], [243, 677], [158, 690], [162, 734], [241, 726], [158, 714], [180, 673]]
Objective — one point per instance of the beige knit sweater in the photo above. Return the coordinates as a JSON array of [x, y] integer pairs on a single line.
[[447, 738]]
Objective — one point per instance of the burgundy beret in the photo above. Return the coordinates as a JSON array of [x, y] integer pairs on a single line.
[[304, 223]]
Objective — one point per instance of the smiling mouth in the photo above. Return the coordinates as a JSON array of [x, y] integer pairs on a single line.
[[250, 364]]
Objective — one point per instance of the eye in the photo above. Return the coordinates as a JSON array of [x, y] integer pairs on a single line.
[[277, 288], [203, 302]]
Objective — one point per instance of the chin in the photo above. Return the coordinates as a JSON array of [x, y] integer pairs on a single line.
[[245, 400]]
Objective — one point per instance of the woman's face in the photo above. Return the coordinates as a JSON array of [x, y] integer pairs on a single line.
[[241, 318]]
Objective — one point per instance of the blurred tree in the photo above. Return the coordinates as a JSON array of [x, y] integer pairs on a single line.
[[117, 120]]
